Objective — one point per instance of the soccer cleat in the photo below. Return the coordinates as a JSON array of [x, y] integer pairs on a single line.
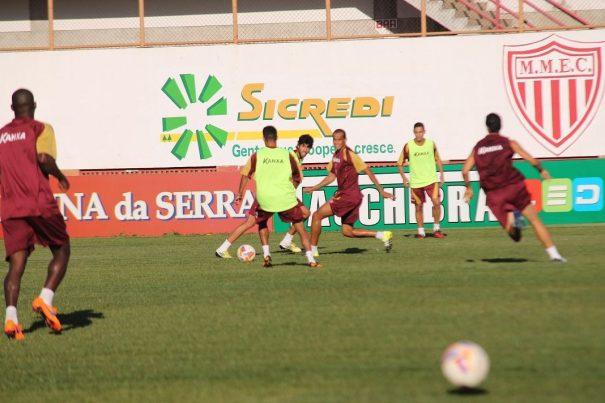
[[292, 247], [516, 234], [418, 236], [49, 313], [438, 234], [314, 265], [315, 254], [223, 255], [267, 261], [13, 330], [387, 239], [559, 259]]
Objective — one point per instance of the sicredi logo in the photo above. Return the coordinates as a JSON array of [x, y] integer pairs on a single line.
[[562, 195], [219, 107], [315, 110]]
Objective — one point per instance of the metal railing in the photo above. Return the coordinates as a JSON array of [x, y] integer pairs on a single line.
[[137, 23]]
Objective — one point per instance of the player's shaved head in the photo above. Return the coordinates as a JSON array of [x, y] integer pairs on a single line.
[[23, 103], [341, 131], [269, 133]]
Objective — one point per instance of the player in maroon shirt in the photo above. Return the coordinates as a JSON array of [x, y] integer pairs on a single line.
[[504, 186], [345, 203], [29, 211]]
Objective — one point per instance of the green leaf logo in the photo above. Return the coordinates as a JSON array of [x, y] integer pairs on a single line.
[[217, 108]]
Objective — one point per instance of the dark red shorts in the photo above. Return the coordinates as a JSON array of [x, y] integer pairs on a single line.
[[292, 215], [346, 207], [22, 233], [418, 194], [506, 199]]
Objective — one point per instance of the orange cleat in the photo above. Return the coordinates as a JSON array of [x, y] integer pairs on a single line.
[[438, 234], [314, 265], [49, 313], [267, 261], [13, 330]]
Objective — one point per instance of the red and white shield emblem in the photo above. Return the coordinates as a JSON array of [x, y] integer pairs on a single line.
[[555, 86]]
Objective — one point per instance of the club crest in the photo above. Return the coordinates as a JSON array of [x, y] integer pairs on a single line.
[[555, 86]]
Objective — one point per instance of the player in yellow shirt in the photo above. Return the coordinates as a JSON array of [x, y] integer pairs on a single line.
[[423, 159]]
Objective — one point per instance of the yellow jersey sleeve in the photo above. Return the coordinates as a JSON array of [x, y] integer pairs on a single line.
[[357, 162], [400, 161], [329, 166], [46, 143]]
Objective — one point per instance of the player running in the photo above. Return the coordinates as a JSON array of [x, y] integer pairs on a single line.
[[29, 211], [422, 156], [305, 143], [345, 167], [504, 186], [275, 172]]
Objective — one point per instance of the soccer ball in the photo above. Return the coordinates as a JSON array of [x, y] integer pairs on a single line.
[[465, 364], [246, 253]]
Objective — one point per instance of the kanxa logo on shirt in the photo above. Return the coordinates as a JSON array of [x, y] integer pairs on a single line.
[[7, 137], [490, 149], [420, 153], [268, 160]]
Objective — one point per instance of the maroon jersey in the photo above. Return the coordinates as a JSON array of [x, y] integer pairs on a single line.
[[493, 159], [24, 189], [345, 165]]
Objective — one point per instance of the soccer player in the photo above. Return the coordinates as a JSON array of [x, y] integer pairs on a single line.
[[305, 143], [504, 186], [422, 156], [29, 211], [345, 167], [275, 172]]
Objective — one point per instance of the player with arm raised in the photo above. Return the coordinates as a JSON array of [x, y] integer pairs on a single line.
[[345, 167], [504, 185]]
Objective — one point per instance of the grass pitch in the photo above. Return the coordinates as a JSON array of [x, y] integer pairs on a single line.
[[162, 319]]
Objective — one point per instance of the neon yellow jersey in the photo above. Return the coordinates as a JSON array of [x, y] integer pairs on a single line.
[[275, 191], [423, 169]]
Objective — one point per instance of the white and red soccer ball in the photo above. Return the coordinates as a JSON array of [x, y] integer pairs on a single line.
[[246, 253], [465, 364]]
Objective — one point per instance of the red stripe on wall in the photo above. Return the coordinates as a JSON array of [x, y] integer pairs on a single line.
[[555, 101], [573, 102], [538, 103]]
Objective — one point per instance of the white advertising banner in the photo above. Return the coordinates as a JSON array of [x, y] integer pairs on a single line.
[[206, 105]]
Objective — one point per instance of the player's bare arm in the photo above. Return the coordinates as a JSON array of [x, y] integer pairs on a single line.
[[439, 166], [242, 185], [326, 181], [468, 165], [404, 157], [48, 165], [374, 180], [527, 157]]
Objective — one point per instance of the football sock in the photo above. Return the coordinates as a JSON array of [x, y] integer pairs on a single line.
[[287, 239], [436, 227], [224, 246], [310, 257], [553, 253], [266, 251], [47, 296], [314, 249], [379, 235], [11, 314], [421, 231]]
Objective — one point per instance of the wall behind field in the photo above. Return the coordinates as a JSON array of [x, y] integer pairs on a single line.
[[205, 106]]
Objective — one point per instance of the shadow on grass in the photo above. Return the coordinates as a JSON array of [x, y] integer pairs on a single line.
[[348, 251], [70, 321], [428, 235], [463, 391], [504, 260]]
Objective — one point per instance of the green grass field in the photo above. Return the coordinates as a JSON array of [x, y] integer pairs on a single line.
[[162, 319]]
